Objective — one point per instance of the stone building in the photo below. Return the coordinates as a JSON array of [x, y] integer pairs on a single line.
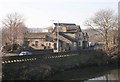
[[66, 37], [35, 40], [63, 37]]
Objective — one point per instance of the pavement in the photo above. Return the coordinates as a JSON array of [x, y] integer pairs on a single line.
[[10, 54]]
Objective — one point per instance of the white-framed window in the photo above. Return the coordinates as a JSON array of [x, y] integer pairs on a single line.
[[74, 43]]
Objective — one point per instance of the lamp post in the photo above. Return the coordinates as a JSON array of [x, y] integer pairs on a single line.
[[57, 36]]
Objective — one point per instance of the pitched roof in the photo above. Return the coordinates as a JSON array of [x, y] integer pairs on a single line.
[[61, 38], [63, 24], [68, 37], [36, 35], [73, 28]]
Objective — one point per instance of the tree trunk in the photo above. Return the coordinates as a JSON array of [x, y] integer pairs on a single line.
[[106, 40]]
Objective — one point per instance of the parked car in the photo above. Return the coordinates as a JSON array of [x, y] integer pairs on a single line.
[[25, 53]]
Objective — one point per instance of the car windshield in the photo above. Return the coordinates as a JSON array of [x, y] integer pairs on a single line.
[[23, 52]]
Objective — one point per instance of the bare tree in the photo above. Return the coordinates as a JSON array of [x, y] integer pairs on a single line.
[[13, 29], [104, 22]]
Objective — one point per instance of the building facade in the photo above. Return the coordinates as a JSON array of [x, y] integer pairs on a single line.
[[35, 40], [63, 37], [67, 37]]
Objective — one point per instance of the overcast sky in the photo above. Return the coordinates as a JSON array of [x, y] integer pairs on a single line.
[[39, 13]]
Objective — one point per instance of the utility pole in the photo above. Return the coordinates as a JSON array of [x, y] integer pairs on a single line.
[[57, 34]]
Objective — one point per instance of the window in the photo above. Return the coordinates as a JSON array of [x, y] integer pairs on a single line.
[[79, 43], [33, 45], [55, 46], [49, 44], [46, 44], [74, 43], [36, 43], [61, 44]]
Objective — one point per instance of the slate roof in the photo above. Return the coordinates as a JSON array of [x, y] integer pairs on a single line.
[[35, 35], [68, 37], [61, 38], [73, 28], [64, 24]]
